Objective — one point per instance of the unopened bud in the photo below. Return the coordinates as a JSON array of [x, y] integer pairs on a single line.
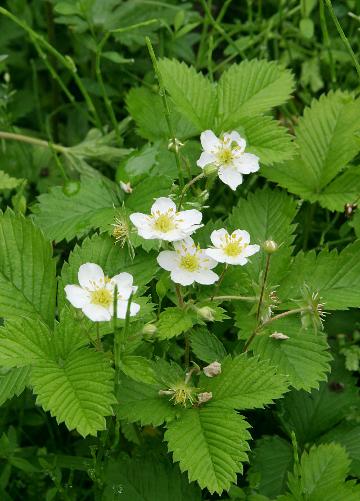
[[270, 246], [279, 335], [349, 209], [7, 77], [149, 329], [206, 313], [175, 145], [204, 397], [210, 169], [126, 187], [213, 369]]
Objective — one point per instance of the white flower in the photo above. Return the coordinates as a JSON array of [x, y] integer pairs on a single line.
[[279, 335], [188, 264], [228, 155], [213, 369], [95, 295], [231, 249], [165, 223], [126, 187]]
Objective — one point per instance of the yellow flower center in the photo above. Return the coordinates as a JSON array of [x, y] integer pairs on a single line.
[[164, 223], [225, 156], [233, 248], [182, 394], [189, 262], [102, 297]]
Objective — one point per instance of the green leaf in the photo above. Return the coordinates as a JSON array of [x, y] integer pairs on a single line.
[[327, 142], [77, 391], [271, 459], [146, 480], [322, 475], [245, 383], [251, 88], [138, 368], [347, 434], [27, 270], [65, 217], [206, 346], [342, 190], [13, 382], [193, 94], [304, 357], [336, 276], [266, 214], [210, 451], [174, 321], [147, 191], [310, 415], [267, 139], [147, 110], [7, 182]]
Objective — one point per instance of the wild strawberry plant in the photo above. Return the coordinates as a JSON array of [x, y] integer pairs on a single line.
[[161, 315]]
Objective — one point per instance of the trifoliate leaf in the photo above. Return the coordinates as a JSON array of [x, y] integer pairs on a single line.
[[304, 357], [206, 346], [245, 383], [65, 217], [310, 415], [210, 443], [336, 276], [271, 459], [251, 88], [193, 94], [27, 270]]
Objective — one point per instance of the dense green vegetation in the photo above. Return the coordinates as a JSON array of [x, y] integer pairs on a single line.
[[135, 365]]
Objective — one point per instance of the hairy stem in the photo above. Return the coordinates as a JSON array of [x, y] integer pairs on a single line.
[[187, 186]]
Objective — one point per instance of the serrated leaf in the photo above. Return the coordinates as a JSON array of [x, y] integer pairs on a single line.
[[326, 141], [336, 276], [208, 450], [174, 321], [310, 415], [193, 94], [77, 391], [271, 459], [146, 480], [145, 193], [267, 139], [64, 217], [206, 346], [245, 383], [27, 270], [250, 88], [304, 357], [138, 368], [342, 190], [148, 112], [7, 182], [13, 382], [266, 214]]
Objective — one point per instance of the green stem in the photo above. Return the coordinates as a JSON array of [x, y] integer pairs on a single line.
[[221, 278], [343, 36], [326, 39], [263, 286], [166, 109], [233, 298], [187, 186], [12, 136], [179, 296]]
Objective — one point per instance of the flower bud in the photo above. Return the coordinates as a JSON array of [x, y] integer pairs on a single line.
[[210, 169], [214, 369], [175, 145], [126, 187], [71, 188], [206, 313], [7, 77], [270, 246], [204, 397], [149, 329], [279, 335]]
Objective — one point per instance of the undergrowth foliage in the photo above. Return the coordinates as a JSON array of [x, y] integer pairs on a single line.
[[135, 310]]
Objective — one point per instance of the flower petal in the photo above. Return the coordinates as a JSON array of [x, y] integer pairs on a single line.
[[250, 250], [206, 277], [217, 237], [96, 313], [209, 141], [207, 262], [77, 296], [206, 158], [188, 218], [122, 280], [162, 205], [167, 260], [122, 307], [90, 275], [230, 176], [247, 163], [216, 254], [182, 277], [241, 234], [140, 220], [235, 137], [185, 246], [171, 236]]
